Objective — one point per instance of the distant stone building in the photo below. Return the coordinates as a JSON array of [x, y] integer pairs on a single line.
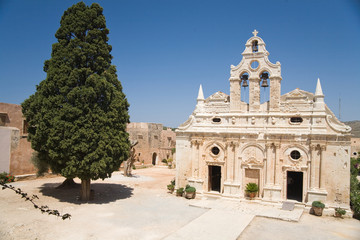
[[292, 146], [155, 142], [355, 147], [15, 150]]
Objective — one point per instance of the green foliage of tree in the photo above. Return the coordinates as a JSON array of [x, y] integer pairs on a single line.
[[77, 116], [355, 187]]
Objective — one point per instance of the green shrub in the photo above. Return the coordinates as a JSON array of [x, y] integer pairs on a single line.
[[6, 177], [170, 187], [189, 189], [340, 211], [164, 161], [318, 204], [251, 188], [355, 187], [173, 182], [40, 163], [180, 190]]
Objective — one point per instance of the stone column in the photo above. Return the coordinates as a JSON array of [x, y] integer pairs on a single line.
[[269, 171], [229, 162], [235, 147], [194, 159], [235, 94], [275, 92], [312, 166], [322, 167], [254, 94], [276, 164]]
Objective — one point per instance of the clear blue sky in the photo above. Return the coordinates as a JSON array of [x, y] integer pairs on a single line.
[[164, 50]]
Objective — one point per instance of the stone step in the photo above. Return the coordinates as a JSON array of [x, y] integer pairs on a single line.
[[214, 224]]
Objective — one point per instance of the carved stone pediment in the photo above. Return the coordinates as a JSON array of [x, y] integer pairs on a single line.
[[218, 97], [296, 95]]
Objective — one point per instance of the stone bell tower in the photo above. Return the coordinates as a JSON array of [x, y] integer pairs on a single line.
[[256, 68]]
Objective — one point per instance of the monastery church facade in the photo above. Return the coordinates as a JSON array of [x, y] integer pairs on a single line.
[[292, 146]]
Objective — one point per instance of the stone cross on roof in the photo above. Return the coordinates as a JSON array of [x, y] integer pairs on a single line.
[[255, 32]]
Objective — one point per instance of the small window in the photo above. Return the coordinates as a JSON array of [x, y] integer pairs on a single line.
[[216, 120], [215, 150], [156, 137], [295, 155], [140, 137], [296, 120]]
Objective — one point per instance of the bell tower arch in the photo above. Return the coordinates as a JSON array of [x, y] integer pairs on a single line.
[[256, 68]]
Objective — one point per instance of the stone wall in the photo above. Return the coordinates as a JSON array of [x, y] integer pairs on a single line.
[[154, 142], [14, 126]]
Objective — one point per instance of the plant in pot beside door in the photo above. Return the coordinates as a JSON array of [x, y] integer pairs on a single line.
[[339, 212], [318, 207], [251, 189], [190, 192], [179, 192]]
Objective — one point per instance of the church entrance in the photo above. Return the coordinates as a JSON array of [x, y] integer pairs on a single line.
[[252, 176], [214, 178], [295, 186], [154, 159]]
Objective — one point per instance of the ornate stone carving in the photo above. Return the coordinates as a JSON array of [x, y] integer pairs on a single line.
[[337, 125]]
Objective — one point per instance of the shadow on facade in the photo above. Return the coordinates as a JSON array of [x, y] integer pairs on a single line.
[[104, 192]]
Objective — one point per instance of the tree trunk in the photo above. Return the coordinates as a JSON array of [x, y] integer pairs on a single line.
[[85, 189], [68, 183]]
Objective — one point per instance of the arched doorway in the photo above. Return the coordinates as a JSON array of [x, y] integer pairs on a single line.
[[154, 158]]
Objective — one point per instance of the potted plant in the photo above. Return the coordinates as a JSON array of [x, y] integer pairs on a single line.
[[251, 189], [171, 188], [318, 207], [339, 212], [190, 192], [179, 192]]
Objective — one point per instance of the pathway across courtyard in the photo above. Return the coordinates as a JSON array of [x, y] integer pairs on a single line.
[[140, 208]]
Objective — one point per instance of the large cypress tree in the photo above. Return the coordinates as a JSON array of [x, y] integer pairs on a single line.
[[77, 116]]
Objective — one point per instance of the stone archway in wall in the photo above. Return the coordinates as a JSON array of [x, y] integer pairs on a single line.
[[154, 157]]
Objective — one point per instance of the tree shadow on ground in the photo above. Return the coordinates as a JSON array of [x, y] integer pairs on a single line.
[[103, 192]]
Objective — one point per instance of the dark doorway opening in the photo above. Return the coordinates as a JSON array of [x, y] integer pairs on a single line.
[[154, 159], [295, 186], [215, 178]]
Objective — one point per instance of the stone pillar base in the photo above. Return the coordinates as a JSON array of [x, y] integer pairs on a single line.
[[272, 193], [196, 183], [231, 189], [316, 195]]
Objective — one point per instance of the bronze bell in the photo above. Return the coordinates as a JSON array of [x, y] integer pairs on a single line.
[[264, 76], [244, 79], [264, 83], [245, 83]]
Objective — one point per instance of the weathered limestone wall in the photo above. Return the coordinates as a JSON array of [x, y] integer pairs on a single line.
[[355, 147], [5, 148], [21, 152], [154, 144]]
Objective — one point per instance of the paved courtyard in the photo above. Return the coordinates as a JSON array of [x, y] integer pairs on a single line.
[[140, 208]]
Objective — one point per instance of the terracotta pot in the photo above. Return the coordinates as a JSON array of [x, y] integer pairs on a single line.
[[318, 211], [252, 194], [190, 195], [179, 194]]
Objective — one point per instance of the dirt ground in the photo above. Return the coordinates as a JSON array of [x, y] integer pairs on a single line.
[[136, 208]]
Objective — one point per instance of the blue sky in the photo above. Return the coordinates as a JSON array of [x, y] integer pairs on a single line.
[[164, 50]]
